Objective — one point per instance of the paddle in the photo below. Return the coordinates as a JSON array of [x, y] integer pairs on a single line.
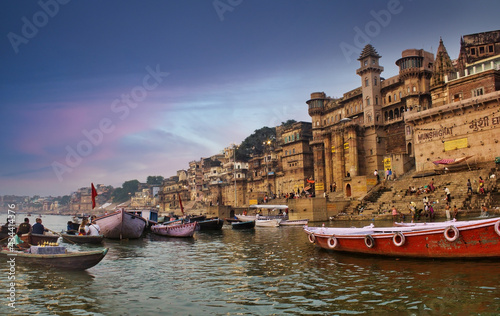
[[61, 236]]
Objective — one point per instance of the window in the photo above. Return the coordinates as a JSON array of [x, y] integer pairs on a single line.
[[375, 81], [373, 61], [395, 97], [408, 89], [477, 92], [481, 50], [400, 94], [367, 101], [473, 51], [414, 89], [376, 100], [294, 150], [366, 82], [490, 49], [366, 62], [389, 99]]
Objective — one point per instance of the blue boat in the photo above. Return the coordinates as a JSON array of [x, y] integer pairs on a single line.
[[243, 225]]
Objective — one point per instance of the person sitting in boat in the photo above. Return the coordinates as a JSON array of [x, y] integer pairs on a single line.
[[16, 242], [70, 230], [84, 228], [38, 227], [94, 229], [25, 227]]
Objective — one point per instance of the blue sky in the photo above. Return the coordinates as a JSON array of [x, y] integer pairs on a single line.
[[110, 91]]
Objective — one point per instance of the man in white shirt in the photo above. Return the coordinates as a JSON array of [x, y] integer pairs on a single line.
[[94, 229]]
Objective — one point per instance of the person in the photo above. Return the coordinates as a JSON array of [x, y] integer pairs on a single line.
[[94, 229], [469, 186], [17, 243], [38, 227], [394, 213], [334, 186], [375, 173], [481, 186], [484, 211], [431, 212], [84, 228], [431, 185], [447, 210], [413, 207], [455, 212], [25, 227], [448, 194], [387, 174]]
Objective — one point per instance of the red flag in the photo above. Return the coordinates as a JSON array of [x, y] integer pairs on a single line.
[[94, 194]]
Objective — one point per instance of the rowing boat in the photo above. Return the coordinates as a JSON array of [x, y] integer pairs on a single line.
[[83, 239], [175, 229], [121, 225], [461, 239]]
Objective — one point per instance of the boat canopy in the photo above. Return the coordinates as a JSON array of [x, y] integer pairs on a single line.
[[269, 206]]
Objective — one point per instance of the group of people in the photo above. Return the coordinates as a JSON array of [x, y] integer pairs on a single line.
[[86, 228], [26, 228]]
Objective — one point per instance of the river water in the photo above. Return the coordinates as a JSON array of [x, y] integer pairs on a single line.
[[268, 271]]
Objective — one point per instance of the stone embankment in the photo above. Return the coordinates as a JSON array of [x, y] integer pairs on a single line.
[[378, 203]]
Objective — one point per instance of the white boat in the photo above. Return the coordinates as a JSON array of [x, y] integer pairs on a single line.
[[267, 222], [297, 222], [121, 225], [245, 218]]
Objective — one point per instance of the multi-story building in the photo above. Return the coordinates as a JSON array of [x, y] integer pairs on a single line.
[[385, 123]]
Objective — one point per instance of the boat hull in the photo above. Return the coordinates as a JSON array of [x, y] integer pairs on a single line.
[[82, 239], [267, 222], [37, 239], [121, 225], [243, 225], [245, 218], [480, 239], [211, 224], [175, 230], [70, 261], [298, 222]]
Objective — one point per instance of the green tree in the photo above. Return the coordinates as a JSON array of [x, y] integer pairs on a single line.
[[122, 194], [256, 144], [155, 180]]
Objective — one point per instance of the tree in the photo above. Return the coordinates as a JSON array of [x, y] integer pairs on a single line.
[[255, 144], [155, 180], [128, 188]]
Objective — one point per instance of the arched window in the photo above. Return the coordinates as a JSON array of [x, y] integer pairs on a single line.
[[391, 115], [374, 81], [367, 101], [395, 97], [389, 99], [386, 115], [367, 82], [401, 111], [396, 113]]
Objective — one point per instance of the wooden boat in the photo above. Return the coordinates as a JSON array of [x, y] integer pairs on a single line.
[[245, 218], [83, 239], [121, 225], [38, 239], [231, 220], [243, 225], [297, 222], [467, 239], [210, 224], [428, 224], [151, 216], [67, 260], [175, 230]]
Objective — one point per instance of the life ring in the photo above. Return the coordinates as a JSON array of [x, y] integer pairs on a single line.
[[497, 228], [398, 239], [332, 242], [311, 238], [454, 233], [369, 241]]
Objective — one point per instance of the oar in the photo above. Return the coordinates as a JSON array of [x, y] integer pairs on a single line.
[[61, 236]]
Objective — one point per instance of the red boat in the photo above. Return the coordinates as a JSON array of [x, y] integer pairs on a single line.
[[461, 239]]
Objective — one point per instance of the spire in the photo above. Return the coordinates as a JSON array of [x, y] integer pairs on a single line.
[[442, 65], [368, 51]]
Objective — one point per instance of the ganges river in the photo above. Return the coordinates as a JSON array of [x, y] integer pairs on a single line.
[[266, 271]]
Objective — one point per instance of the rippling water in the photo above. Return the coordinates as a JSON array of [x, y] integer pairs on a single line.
[[269, 271]]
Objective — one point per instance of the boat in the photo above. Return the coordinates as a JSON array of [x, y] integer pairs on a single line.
[[175, 229], [151, 216], [428, 224], [245, 218], [60, 259], [231, 219], [121, 225], [459, 240], [297, 222], [38, 239], [82, 239], [211, 224], [243, 225], [267, 222]]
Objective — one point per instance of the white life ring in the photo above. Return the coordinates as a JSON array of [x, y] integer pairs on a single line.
[[497, 228], [398, 239], [332, 242], [369, 241], [454, 233], [311, 238]]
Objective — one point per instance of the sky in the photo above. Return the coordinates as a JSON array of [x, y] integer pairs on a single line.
[[110, 91]]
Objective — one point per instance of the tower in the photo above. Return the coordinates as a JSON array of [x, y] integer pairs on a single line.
[[369, 72]]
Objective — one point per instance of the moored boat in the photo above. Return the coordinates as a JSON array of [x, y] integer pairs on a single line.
[[121, 225], [297, 222], [210, 224], [175, 230], [245, 218], [267, 222], [38, 239], [83, 239], [467, 239], [58, 259], [243, 225]]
